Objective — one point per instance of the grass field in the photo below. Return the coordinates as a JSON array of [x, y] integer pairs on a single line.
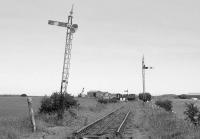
[[179, 106], [16, 106], [161, 124], [14, 121]]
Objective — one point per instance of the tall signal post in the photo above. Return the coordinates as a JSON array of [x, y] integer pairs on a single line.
[[71, 29]]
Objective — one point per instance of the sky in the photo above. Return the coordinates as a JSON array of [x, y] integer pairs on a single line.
[[107, 48]]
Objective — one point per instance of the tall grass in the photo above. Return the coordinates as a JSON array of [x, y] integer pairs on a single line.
[[13, 128], [74, 118], [161, 124]]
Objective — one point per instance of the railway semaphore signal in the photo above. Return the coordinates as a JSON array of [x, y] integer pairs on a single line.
[[71, 29], [144, 67]]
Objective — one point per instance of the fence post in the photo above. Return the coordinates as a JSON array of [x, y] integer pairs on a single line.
[[31, 113]]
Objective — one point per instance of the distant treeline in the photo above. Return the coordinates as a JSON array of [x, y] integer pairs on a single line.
[[184, 96], [13, 95], [9, 95]]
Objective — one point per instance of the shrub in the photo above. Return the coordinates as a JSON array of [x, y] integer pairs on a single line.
[[192, 113], [46, 105], [23, 95], [145, 97], [166, 104], [55, 102], [183, 96]]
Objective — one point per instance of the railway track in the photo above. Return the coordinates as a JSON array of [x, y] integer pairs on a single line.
[[110, 126]]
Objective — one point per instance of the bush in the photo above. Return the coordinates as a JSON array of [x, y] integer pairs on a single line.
[[46, 105], [166, 104], [192, 113], [54, 103], [23, 95], [145, 97], [183, 96]]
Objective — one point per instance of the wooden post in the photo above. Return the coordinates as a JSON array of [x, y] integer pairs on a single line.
[[31, 113]]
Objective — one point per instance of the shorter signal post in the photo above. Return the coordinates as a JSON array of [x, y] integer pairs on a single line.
[[144, 67]]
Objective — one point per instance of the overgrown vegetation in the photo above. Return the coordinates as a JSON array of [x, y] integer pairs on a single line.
[[165, 104], [145, 97], [56, 103], [160, 124], [155, 121], [192, 113], [183, 96], [75, 117], [13, 128]]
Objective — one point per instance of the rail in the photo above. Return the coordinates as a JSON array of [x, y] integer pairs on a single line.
[[119, 130], [78, 132]]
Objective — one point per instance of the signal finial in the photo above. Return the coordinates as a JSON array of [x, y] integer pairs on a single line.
[[71, 12], [143, 57]]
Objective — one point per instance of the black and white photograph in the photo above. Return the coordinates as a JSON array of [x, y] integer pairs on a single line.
[[99, 69]]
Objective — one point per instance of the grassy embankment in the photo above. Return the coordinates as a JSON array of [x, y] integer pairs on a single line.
[[14, 121], [159, 124]]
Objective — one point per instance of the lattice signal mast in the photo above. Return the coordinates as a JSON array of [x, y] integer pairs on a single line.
[[71, 29]]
